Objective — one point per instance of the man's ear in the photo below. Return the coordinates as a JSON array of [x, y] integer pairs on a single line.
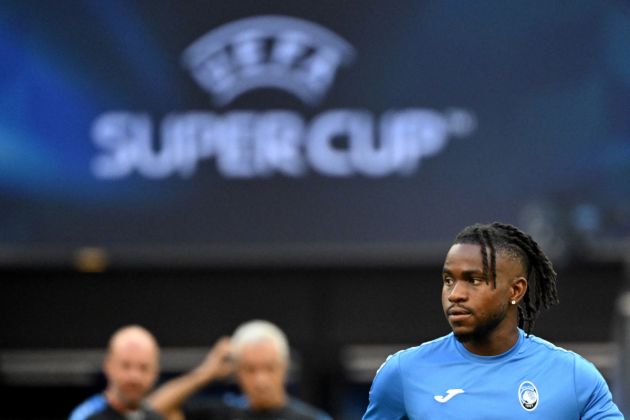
[[519, 287]]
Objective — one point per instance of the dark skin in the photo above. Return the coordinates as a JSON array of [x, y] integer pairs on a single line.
[[482, 317]]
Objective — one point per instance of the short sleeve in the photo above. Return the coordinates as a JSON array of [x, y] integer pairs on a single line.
[[386, 393], [592, 392]]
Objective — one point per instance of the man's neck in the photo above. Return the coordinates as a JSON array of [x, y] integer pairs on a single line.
[[116, 404], [494, 344]]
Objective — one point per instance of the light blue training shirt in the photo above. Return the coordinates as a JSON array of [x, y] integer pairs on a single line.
[[535, 379]]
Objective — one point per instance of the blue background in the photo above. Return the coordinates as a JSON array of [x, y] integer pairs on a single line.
[[549, 84]]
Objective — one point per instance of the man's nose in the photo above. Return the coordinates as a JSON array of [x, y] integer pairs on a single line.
[[134, 375], [458, 292], [262, 378]]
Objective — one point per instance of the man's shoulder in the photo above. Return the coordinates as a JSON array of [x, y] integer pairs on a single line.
[[295, 409], [299, 410], [94, 405], [97, 408], [236, 405], [426, 352], [437, 346], [545, 349], [562, 358]]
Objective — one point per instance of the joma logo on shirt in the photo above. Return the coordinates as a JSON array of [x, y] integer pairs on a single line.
[[449, 394]]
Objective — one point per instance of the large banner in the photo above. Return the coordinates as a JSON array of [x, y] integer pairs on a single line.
[[200, 131]]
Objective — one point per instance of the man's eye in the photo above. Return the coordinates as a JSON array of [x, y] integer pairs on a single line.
[[477, 281], [447, 281]]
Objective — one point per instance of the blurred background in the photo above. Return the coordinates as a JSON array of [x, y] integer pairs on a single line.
[[192, 165]]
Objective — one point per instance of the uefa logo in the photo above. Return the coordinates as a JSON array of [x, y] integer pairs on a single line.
[[280, 52]]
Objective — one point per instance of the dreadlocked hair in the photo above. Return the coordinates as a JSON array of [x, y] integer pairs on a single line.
[[496, 237]]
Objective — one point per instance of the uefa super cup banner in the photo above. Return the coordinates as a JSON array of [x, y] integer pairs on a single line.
[[167, 129], [287, 54]]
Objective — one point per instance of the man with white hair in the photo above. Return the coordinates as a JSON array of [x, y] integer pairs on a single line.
[[258, 353], [131, 366]]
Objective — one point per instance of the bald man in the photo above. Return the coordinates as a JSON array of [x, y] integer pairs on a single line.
[[131, 367]]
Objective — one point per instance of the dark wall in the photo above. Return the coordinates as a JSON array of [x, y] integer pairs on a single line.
[[70, 309], [321, 309], [64, 308]]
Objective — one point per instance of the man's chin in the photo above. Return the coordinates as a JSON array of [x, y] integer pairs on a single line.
[[463, 337], [133, 402]]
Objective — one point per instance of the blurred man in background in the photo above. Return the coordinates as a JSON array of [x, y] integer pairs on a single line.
[[258, 353], [131, 367]]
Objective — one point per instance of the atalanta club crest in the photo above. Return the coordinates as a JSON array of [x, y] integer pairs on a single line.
[[528, 396]]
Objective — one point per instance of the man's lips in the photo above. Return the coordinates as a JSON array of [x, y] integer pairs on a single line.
[[457, 312]]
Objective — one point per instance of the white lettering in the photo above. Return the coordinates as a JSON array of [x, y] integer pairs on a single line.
[[246, 144], [119, 133], [334, 126], [279, 143]]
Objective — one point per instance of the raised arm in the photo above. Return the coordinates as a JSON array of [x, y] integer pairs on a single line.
[[168, 398]]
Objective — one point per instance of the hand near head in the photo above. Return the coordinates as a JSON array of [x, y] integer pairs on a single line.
[[218, 363]]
